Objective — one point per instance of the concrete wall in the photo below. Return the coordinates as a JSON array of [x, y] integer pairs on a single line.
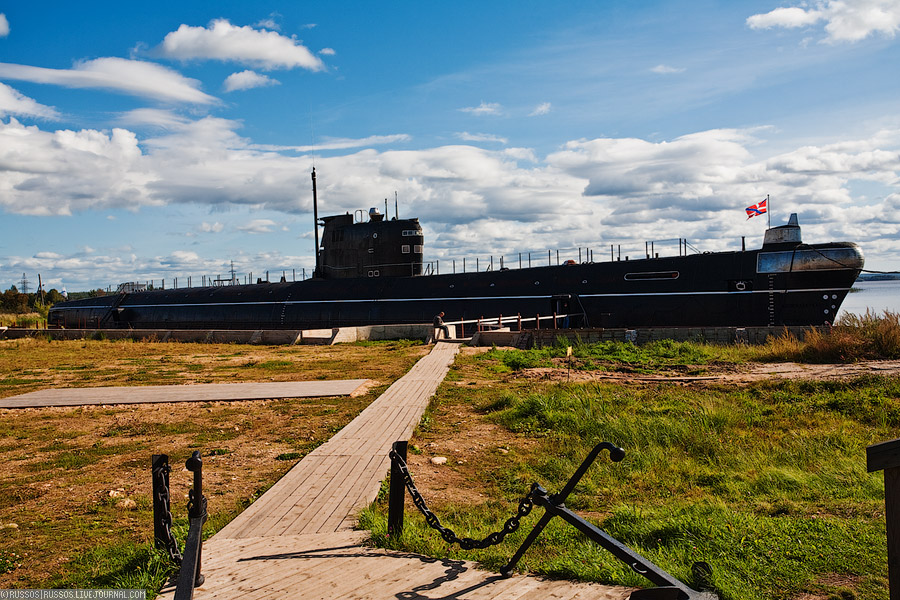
[[260, 336], [424, 331]]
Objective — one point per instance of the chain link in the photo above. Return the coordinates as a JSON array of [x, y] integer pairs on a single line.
[[449, 536], [163, 497]]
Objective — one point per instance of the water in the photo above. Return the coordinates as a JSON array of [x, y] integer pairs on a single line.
[[876, 296]]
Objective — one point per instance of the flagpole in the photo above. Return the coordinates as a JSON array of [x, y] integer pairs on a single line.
[[769, 211]]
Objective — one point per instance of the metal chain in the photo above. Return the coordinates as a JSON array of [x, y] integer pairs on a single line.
[[171, 542], [525, 506]]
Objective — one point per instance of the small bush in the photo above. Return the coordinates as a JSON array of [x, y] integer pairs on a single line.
[[853, 338]]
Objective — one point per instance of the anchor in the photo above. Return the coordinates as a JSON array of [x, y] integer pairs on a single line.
[[669, 587]]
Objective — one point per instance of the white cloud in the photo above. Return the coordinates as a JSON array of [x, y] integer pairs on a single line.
[[156, 117], [246, 80], [78, 271], [485, 108], [269, 23], [12, 102], [246, 45], [64, 171], [257, 226], [135, 77], [789, 17], [666, 70], [845, 20], [480, 137], [327, 52], [338, 143], [592, 191], [211, 227], [541, 109], [4, 25]]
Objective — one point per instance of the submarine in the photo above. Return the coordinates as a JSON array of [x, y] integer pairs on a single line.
[[370, 271]]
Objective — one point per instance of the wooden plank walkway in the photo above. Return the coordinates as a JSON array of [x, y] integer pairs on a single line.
[[203, 392], [297, 540]]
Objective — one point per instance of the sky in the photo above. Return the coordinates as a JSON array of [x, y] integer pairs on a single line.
[[142, 141]]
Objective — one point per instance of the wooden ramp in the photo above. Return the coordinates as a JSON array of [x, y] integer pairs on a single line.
[[202, 392], [297, 540]]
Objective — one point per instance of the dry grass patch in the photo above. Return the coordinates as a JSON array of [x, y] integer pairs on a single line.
[[74, 480], [31, 364]]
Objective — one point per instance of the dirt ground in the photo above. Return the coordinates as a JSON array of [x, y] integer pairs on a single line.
[[72, 478], [474, 436], [77, 478], [730, 374]]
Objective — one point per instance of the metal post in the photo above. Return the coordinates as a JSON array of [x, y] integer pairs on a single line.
[[886, 457], [160, 477], [397, 491], [190, 577]]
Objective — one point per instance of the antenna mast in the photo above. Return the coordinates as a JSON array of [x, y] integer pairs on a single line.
[[316, 218]]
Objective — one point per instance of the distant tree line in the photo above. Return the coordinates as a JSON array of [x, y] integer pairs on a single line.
[[13, 301]]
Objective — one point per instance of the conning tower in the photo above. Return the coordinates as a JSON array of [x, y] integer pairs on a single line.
[[377, 247]]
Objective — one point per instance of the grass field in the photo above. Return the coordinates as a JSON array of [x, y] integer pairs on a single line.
[[75, 497], [765, 482], [27, 320]]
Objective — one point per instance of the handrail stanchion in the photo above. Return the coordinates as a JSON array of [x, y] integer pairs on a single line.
[[189, 576], [397, 491], [886, 457], [161, 506]]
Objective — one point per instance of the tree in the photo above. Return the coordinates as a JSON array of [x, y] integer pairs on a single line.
[[13, 301]]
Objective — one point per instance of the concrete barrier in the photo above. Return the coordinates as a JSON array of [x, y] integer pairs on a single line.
[[422, 331], [336, 335]]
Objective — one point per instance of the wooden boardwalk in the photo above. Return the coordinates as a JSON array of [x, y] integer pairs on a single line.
[[297, 540], [203, 392]]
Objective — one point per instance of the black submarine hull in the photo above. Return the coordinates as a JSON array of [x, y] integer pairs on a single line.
[[801, 285]]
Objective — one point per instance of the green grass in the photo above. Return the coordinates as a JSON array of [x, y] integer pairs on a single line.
[[9, 561], [766, 483], [121, 566], [853, 338], [592, 356]]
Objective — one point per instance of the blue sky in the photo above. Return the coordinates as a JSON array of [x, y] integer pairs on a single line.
[[148, 140]]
